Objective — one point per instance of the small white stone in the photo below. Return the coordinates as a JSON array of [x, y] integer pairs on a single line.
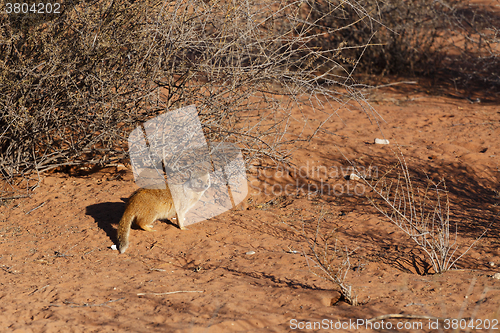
[[354, 176], [496, 276], [492, 264], [113, 247], [120, 167], [381, 142], [250, 252]]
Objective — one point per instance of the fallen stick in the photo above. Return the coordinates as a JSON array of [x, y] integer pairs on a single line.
[[14, 197], [36, 290], [172, 292], [85, 305], [403, 316], [40, 205]]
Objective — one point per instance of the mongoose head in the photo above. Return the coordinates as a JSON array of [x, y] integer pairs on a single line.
[[199, 182]]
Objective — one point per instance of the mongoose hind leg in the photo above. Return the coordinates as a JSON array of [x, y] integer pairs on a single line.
[[148, 228], [146, 223]]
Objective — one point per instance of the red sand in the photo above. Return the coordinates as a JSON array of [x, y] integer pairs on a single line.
[[59, 274]]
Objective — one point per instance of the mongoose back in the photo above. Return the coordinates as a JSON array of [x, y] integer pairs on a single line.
[[148, 205]]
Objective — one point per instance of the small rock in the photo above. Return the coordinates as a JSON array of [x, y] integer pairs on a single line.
[[113, 247], [354, 176], [250, 252], [381, 142], [496, 276], [121, 167], [492, 264]]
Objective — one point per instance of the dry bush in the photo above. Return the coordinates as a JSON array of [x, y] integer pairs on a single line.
[[416, 37], [472, 59], [328, 259], [422, 214], [75, 84], [391, 36]]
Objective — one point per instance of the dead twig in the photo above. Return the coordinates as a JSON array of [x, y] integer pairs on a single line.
[[171, 292], [40, 205], [9, 269], [402, 316], [87, 305], [14, 197], [37, 290]]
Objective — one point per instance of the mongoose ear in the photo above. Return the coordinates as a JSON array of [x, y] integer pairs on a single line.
[[177, 177], [183, 176], [202, 168]]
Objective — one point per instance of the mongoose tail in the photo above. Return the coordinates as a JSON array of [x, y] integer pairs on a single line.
[[124, 230]]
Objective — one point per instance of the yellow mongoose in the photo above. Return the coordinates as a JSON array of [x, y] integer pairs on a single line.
[[148, 205]]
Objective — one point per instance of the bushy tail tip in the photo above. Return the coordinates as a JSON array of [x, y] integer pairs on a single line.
[[123, 247]]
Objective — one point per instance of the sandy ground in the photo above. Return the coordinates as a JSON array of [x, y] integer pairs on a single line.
[[245, 270]]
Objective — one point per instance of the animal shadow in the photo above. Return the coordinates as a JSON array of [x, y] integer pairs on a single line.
[[107, 214]]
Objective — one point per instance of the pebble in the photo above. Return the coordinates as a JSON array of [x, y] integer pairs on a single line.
[[113, 247], [354, 176], [250, 252], [381, 142], [496, 276]]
